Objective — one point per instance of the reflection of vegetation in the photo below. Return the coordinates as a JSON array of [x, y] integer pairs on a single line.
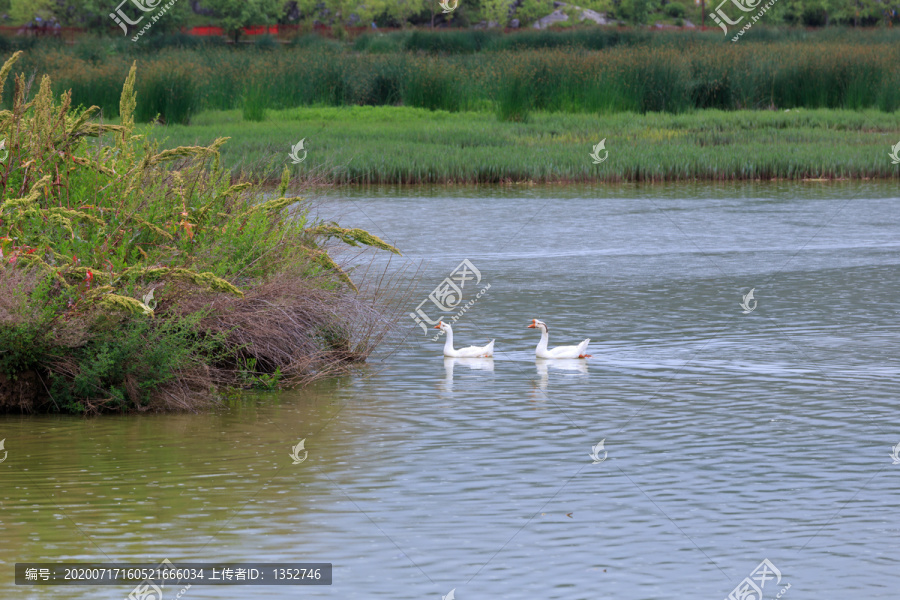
[[165, 478], [437, 146], [88, 229]]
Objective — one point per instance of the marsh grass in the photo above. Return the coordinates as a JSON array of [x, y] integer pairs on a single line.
[[254, 102], [369, 145], [653, 76], [169, 93]]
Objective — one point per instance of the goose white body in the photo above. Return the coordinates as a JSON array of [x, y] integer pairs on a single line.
[[470, 352], [542, 351]]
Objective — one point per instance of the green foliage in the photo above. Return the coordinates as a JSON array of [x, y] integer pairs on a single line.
[[475, 147], [93, 225], [22, 349], [266, 42], [515, 98], [638, 70], [378, 43], [93, 15], [530, 11], [675, 10], [636, 11], [170, 94], [257, 380], [454, 42], [254, 103], [120, 369], [234, 15], [429, 85]]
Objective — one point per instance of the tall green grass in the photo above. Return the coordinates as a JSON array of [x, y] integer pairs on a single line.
[[254, 103], [602, 38], [352, 143], [653, 77]]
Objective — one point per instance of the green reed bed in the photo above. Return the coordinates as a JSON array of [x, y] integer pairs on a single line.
[[178, 83], [601, 38], [407, 145]]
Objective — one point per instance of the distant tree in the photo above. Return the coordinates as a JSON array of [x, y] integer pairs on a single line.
[[343, 12], [530, 11], [495, 10], [22, 11], [234, 15], [403, 10], [636, 11], [93, 15]]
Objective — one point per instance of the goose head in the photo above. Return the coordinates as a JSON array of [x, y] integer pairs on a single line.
[[536, 324], [442, 326]]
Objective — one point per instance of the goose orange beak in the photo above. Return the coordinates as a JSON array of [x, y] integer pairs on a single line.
[[532, 326], [438, 326]]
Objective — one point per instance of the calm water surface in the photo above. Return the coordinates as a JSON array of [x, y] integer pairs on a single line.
[[731, 437]]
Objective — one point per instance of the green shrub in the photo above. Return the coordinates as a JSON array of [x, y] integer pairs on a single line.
[[23, 349], [120, 369], [92, 231], [675, 10]]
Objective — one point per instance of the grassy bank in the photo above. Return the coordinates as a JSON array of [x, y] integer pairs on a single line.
[[671, 77], [134, 277], [409, 145]]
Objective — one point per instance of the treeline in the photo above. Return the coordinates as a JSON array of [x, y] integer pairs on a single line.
[[234, 15]]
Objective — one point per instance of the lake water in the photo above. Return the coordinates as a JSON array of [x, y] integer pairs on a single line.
[[730, 436]]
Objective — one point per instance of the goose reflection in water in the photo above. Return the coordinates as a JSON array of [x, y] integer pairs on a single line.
[[571, 365], [476, 364]]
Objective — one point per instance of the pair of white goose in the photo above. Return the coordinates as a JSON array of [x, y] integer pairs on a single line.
[[488, 351]]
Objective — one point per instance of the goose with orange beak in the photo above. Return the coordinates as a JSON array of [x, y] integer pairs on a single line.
[[470, 352], [560, 351]]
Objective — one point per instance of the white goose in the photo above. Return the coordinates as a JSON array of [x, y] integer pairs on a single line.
[[470, 352], [561, 351]]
